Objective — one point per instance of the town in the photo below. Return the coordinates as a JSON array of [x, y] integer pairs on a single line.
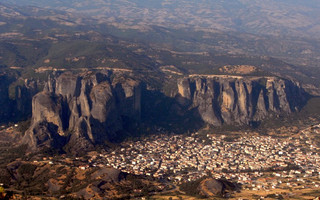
[[256, 162]]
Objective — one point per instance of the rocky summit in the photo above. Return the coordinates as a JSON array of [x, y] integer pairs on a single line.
[[239, 100], [79, 111]]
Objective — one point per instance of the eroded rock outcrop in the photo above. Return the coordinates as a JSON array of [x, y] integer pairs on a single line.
[[80, 111], [83, 110], [4, 100], [16, 95], [239, 100]]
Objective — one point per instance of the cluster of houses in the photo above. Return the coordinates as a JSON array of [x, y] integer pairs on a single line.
[[257, 162]]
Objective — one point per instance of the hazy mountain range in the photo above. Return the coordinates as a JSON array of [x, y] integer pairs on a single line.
[[194, 36], [285, 17]]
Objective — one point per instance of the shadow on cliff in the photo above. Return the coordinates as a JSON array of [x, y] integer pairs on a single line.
[[16, 100], [159, 110], [158, 113]]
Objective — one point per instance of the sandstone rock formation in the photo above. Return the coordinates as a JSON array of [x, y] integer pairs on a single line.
[[17, 105], [84, 109], [4, 100], [80, 111], [239, 100]]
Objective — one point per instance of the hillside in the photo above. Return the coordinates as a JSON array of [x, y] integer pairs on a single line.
[[47, 38], [271, 17]]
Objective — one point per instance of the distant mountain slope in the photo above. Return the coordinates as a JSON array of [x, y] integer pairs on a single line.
[[272, 17], [34, 37]]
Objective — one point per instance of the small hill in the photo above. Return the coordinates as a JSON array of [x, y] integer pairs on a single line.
[[54, 179], [211, 187]]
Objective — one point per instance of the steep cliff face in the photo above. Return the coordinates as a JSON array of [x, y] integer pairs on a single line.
[[23, 98], [83, 110], [238, 100], [80, 111], [17, 105], [4, 100]]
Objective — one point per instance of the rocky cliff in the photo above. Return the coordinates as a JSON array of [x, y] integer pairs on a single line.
[[4, 100], [82, 110], [16, 98], [239, 100]]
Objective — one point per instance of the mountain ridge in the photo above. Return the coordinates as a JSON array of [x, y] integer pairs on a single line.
[[271, 18], [89, 109]]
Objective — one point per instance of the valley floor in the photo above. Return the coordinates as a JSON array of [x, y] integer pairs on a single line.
[[276, 165]]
